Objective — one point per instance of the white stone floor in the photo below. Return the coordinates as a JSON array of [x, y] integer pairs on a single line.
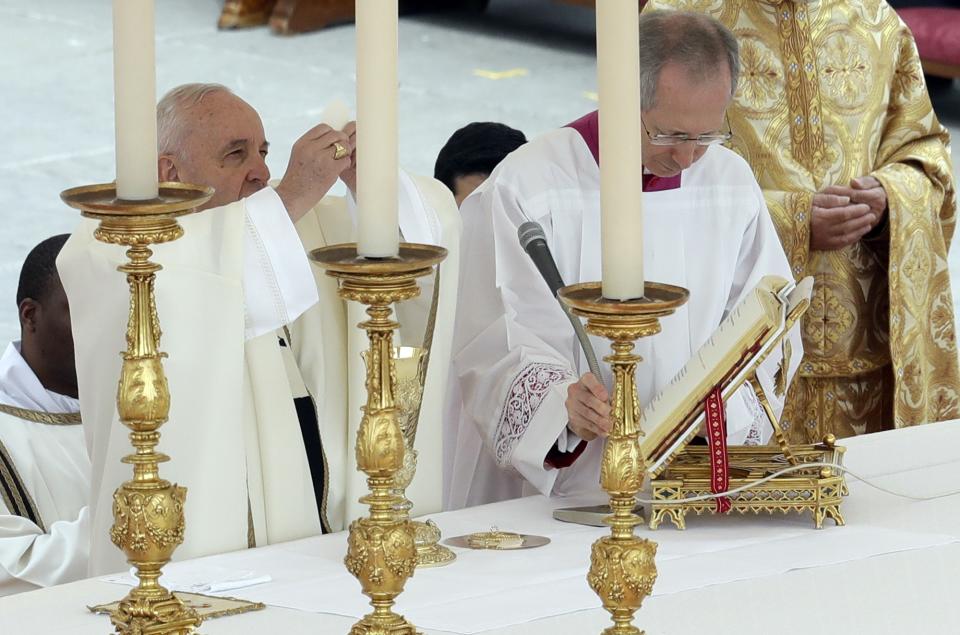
[[56, 91]]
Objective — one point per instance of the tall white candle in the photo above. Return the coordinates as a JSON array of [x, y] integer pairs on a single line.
[[135, 99], [377, 138], [621, 189]]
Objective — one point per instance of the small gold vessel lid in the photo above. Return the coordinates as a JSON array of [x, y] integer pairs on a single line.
[[497, 540]]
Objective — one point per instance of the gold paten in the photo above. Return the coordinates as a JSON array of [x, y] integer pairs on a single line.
[[381, 552], [411, 365], [622, 568], [496, 540], [147, 510]]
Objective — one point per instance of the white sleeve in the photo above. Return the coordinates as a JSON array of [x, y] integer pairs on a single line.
[[28, 555], [513, 346], [278, 284]]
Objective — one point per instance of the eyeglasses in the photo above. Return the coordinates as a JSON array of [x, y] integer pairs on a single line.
[[677, 139]]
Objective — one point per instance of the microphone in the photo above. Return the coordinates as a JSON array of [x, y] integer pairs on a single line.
[[534, 242]]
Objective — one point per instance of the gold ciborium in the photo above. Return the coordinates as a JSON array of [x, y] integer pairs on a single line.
[[381, 551], [148, 523], [411, 365], [622, 567]]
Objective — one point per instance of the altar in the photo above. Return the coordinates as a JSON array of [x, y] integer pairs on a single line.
[[891, 569]]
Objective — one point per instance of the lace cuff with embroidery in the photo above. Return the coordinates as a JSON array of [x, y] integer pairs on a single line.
[[523, 399]]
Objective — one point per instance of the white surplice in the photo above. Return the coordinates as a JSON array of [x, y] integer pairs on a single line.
[[44, 482], [515, 353], [238, 274]]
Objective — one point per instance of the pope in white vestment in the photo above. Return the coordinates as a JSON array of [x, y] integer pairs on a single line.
[[514, 352], [44, 482], [238, 274], [237, 284]]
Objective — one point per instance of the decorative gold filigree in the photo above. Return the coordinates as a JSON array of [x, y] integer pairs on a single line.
[[115, 236], [147, 510], [622, 573], [380, 555], [813, 490], [495, 539], [46, 418], [622, 570], [149, 523], [381, 549], [207, 606]]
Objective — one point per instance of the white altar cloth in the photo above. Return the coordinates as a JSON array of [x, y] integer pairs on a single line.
[[737, 574]]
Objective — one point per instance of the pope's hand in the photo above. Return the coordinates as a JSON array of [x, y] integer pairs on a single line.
[[349, 176], [587, 408], [313, 168], [837, 220]]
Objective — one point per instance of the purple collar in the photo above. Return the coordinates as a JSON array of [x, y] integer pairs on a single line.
[[589, 128]]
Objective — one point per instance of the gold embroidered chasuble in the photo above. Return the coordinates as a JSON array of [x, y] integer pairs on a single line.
[[829, 91]]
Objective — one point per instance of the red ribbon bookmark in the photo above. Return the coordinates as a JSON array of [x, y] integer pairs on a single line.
[[717, 443]]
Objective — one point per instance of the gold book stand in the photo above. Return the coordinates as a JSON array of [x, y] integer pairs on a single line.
[[686, 474]]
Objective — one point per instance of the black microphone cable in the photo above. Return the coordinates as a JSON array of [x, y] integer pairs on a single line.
[[534, 242]]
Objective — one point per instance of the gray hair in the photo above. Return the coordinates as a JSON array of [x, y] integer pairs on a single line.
[[697, 42], [171, 126]]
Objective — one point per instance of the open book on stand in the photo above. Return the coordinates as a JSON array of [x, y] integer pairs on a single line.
[[754, 330]]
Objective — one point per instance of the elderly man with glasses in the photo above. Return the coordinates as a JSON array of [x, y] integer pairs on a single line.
[[530, 417]]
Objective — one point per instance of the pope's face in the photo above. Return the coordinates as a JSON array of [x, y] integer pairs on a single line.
[[683, 106], [224, 147]]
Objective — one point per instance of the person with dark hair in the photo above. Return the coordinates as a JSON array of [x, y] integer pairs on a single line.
[[471, 153], [45, 341], [44, 468], [531, 415]]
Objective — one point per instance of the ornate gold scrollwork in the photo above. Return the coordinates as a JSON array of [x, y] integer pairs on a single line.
[[622, 569], [147, 510], [381, 550]]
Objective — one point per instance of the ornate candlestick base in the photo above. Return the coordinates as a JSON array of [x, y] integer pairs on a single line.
[[622, 568], [381, 552], [147, 510]]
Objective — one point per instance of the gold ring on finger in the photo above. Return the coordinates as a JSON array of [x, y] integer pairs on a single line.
[[339, 151]]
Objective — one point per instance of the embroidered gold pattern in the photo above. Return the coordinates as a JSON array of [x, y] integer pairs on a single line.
[[37, 416], [803, 86], [851, 102]]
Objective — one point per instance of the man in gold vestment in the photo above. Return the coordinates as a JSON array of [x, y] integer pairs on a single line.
[[833, 115]]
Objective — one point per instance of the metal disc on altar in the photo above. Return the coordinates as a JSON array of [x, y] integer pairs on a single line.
[[496, 540]]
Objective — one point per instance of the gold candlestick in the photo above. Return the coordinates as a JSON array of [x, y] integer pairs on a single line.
[[381, 552], [622, 567], [147, 510]]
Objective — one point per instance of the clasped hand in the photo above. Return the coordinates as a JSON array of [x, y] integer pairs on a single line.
[[841, 216]]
